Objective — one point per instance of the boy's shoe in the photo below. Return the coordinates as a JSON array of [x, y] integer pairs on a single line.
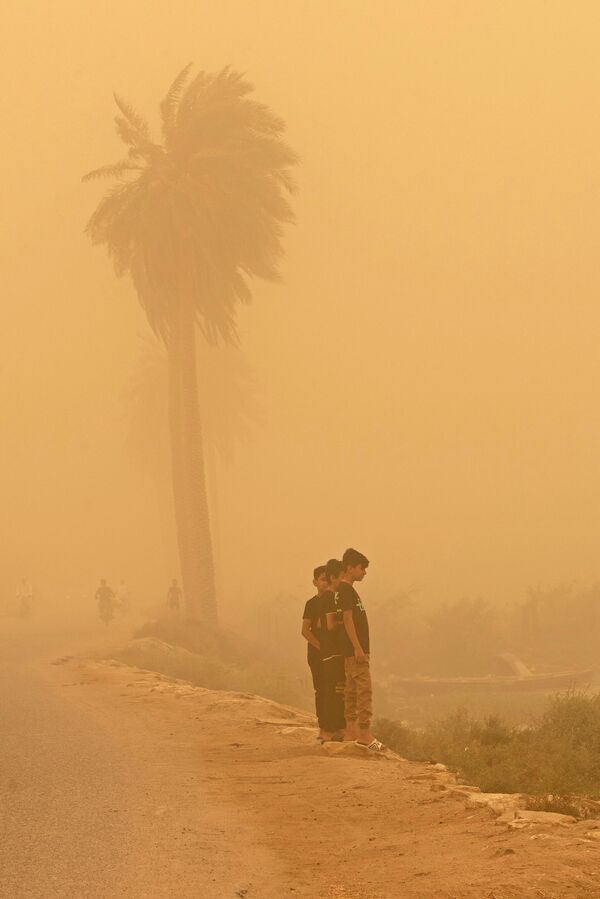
[[374, 745]]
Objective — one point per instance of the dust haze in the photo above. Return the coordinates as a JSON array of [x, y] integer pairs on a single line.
[[422, 384]]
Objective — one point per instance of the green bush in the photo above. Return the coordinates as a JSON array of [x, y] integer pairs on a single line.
[[557, 755]]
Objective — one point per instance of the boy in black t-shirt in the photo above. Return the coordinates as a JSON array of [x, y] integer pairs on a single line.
[[312, 634], [358, 700], [334, 676]]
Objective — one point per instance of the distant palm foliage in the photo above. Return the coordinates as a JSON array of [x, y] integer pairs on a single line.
[[202, 212], [193, 219], [550, 629]]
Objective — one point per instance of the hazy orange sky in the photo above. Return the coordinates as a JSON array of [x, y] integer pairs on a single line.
[[429, 366]]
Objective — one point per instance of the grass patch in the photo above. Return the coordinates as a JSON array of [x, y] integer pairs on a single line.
[[553, 760], [517, 708], [184, 650]]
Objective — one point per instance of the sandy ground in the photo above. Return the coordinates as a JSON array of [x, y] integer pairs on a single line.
[[120, 783], [265, 811]]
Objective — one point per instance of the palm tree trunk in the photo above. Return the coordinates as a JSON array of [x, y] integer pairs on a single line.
[[189, 479], [212, 487]]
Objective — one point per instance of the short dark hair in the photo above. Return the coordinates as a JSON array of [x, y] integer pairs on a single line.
[[333, 568], [319, 570], [352, 557]]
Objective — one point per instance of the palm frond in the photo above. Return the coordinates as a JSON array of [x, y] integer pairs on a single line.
[[205, 212], [188, 99], [137, 121], [111, 171], [128, 134], [168, 106]]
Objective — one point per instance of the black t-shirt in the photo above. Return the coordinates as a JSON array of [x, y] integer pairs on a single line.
[[330, 640], [348, 599], [312, 611]]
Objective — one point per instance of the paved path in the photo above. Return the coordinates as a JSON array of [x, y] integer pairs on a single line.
[[92, 802], [64, 786]]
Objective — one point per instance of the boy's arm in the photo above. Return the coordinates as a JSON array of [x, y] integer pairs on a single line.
[[308, 634], [351, 631]]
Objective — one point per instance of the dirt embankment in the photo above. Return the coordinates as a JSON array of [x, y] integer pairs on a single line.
[[306, 820]]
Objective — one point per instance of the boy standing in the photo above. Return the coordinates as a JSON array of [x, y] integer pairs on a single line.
[[312, 634], [332, 631], [358, 699]]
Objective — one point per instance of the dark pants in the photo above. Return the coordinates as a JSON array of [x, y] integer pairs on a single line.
[[316, 669], [334, 677]]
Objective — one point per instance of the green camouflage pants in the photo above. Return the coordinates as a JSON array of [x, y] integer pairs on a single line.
[[358, 697]]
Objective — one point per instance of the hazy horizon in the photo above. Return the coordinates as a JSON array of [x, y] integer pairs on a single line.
[[427, 368]]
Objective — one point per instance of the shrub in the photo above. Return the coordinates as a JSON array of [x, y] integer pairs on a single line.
[[215, 661], [557, 756]]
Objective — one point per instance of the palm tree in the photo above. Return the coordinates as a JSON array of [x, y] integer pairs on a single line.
[[192, 220], [230, 409]]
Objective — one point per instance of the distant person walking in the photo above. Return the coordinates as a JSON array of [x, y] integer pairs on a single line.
[[123, 598], [311, 633], [24, 598], [358, 699], [174, 597], [105, 597]]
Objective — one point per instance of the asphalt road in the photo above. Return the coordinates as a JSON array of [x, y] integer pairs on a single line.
[[65, 785], [105, 796]]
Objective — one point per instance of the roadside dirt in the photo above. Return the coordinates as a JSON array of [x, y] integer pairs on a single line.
[[288, 817]]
